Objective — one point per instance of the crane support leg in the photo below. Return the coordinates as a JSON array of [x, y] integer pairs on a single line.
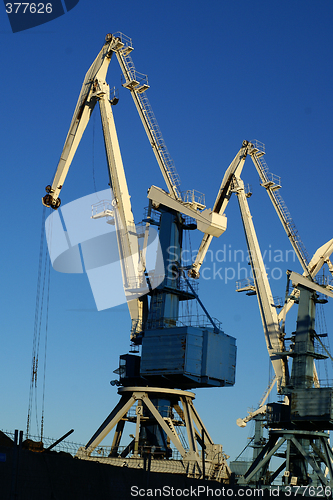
[[158, 415], [299, 458]]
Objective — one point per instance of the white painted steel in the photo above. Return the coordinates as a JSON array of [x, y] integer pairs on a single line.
[[191, 462], [208, 221], [127, 238], [269, 317], [219, 207], [298, 279], [84, 107], [320, 257]]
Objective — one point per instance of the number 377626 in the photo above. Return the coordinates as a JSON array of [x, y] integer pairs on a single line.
[[31, 8]]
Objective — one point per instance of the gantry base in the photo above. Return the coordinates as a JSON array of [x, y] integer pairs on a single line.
[[158, 442], [303, 451]]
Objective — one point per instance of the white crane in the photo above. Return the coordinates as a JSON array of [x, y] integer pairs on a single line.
[[232, 182], [306, 412], [213, 223], [95, 89]]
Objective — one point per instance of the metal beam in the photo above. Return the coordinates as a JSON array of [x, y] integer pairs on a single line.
[[265, 459], [310, 460], [164, 426], [117, 413], [298, 279]]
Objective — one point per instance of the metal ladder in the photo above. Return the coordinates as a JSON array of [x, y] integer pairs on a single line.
[[159, 141], [137, 83], [272, 185], [176, 430]]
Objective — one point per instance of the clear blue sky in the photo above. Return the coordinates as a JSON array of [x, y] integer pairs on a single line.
[[219, 72]]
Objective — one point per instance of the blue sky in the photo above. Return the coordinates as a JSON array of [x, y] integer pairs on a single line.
[[219, 72]]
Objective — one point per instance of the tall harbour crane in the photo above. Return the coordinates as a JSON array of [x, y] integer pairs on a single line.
[[301, 422], [176, 354]]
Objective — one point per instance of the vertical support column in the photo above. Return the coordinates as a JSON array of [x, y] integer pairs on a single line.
[[257, 445], [189, 426], [138, 411], [288, 463], [164, 307], [117, 437], [302, 367]]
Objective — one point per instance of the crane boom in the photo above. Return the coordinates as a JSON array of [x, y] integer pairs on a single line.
[[95, 89], [127, 238], [269, 317], [84, 107], [271, 183], [274, 340], [208, 221]]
